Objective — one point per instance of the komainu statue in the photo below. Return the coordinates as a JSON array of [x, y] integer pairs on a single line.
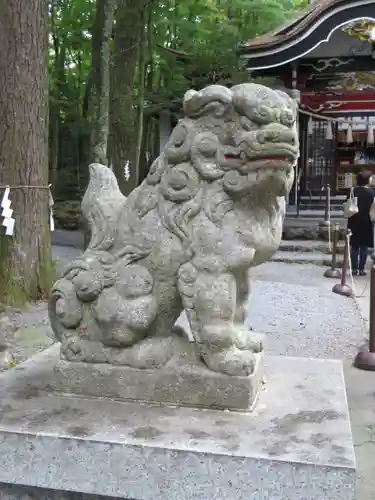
[[211, 207]]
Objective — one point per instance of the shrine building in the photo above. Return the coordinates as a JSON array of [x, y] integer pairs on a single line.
[[325, 59]]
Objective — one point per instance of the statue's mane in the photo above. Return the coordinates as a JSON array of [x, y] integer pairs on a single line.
[[183, 172], [187, 178]]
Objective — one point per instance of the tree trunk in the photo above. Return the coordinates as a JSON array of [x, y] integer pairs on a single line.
[[142, 63], [84, 135], [128, 33], [98, 90], [100, 79], [25, 258], [54, 144]]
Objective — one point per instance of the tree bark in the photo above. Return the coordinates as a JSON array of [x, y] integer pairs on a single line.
[[98, 87], [25, 259], [128, 34], [100, 79], [142, 63]]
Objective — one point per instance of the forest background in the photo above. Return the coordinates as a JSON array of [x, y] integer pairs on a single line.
[[87, 80], [152, 51]]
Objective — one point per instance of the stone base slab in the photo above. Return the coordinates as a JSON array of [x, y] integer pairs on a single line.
[[183, 381], [296, 444]]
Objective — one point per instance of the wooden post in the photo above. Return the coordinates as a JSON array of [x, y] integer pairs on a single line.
[[327, 208], [365, 359], [342, 288], [333, 272]]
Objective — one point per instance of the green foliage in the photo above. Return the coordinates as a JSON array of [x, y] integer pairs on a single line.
[[69, 64], [206, 32]]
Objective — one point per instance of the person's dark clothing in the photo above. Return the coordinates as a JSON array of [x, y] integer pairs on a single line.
[[358, 257], [360, 224], [361, 227]]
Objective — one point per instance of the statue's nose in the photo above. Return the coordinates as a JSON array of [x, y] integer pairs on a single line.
[[277, 134]]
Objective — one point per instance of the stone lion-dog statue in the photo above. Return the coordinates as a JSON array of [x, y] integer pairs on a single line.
[[211, 207]]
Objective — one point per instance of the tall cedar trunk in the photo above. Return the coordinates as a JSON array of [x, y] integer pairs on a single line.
[[55, 118], [54, 127], [84, 134], [100, 79], [25, 259], [128, 33], [97, 88], [54, 107], [141, 98]]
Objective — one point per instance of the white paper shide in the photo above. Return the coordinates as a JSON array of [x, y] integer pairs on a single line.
[[6, 213]]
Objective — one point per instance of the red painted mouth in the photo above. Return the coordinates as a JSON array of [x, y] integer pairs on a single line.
[[229, 157]]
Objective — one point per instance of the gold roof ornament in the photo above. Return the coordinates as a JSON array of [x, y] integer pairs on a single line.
[[363, 29]]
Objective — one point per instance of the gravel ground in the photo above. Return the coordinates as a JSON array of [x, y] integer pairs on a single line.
[[294, 306], [305, 320], [26, 332]]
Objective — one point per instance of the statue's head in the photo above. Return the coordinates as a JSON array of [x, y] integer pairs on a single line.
[[245, 135]]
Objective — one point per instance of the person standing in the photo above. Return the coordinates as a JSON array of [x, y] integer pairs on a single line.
[[360, 224]]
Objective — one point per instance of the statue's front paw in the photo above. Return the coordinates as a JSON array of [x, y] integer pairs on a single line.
[[231, 361], [248, 339]]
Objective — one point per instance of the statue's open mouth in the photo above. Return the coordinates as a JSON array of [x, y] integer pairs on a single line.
[[248, 162], [244, 157]]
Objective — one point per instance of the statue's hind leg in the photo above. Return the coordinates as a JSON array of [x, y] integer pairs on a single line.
[[245, 337], [211, 303]]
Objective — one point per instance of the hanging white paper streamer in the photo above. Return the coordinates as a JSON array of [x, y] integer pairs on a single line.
[[51, 203], [5, 202], [370, 135], [310, 126], [6, 213], [349, 134], [329, 135], [51, 222], [127, 171], [9, 226]]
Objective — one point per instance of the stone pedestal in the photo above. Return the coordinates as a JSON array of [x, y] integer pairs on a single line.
[[183, 381], [296, 444]]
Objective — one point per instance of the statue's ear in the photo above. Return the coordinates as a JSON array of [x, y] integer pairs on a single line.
[[214, 100]]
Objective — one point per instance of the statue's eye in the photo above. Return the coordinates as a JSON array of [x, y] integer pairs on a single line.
[[208, 147]]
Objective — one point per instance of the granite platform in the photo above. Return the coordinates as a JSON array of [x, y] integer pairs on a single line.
[[184, 380], [295, 445]]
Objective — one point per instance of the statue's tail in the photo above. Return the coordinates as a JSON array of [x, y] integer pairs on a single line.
[[101, 206]]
